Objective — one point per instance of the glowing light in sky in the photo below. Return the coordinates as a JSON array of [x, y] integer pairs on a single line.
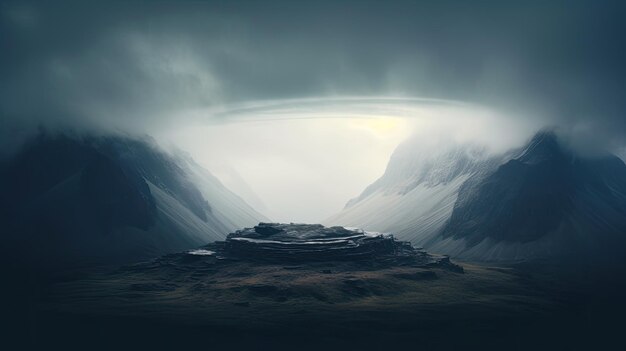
[[302, 160]]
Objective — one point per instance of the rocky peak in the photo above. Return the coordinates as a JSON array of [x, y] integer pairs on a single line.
[[543, 146]]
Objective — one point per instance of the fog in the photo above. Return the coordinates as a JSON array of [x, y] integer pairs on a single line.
[[300, 170], [293, 103], [301, 160]]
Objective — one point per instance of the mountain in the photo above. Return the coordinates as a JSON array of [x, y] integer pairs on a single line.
[[415, 196], [82, 200], [545, 201], [540, 201]]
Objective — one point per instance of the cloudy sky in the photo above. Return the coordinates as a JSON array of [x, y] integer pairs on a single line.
[[200, 71]]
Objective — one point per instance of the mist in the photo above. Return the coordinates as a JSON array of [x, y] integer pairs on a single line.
[[225, 82], [324, 175], [301, 160]]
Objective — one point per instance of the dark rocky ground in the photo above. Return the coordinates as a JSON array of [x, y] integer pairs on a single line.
[[391, 296]]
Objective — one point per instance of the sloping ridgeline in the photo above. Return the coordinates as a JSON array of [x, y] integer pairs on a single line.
[[544, 201], [72, 200]]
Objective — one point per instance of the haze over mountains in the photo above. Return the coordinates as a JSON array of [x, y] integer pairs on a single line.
[[103, 199], [99, 199], [540, 201]]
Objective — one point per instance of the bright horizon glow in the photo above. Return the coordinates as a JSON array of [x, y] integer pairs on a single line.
[[300, 170], [302, 160]]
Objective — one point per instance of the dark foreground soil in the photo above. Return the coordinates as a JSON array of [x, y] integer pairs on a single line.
[[251, 306]]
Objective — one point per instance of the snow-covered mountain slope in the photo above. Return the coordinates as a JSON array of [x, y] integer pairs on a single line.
[[415, 216], [416, 195], [539, 201], [111, 199], [545, 201], [231, 209]]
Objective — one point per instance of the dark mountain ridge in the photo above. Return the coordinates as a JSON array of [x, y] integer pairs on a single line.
[[105, 199], [543, 200], [545, 189]]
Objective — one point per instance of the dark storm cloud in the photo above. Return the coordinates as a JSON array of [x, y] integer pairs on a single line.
[[133, 65]]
